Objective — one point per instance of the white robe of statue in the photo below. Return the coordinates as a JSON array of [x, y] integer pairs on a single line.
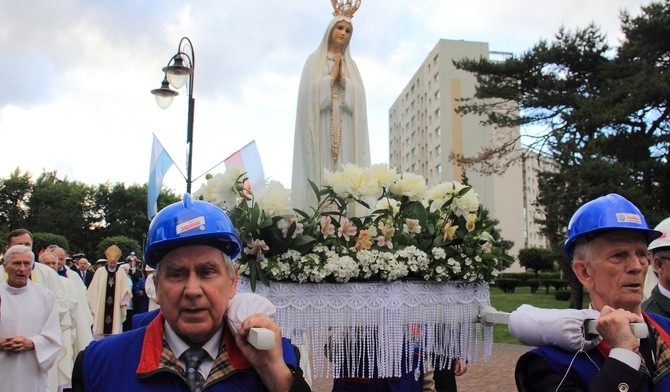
[[29, 311], [312, 149]]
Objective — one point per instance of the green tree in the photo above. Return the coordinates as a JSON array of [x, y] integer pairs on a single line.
[[601, 116], [42, 240], [14, 194], [122, 211], [60, 206], [83, 214], [537, 259]]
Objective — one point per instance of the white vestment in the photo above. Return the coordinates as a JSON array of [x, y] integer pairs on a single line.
[[150, 289], [75, 325], [45, 276], [96, 299], [318, 107], [28, 311]]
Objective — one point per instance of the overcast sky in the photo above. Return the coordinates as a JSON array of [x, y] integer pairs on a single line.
[[77, 74]]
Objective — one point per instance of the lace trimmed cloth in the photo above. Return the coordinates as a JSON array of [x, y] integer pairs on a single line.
[[355, 326]]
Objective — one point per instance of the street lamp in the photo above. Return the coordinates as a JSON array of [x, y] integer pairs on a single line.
[[179, 70]]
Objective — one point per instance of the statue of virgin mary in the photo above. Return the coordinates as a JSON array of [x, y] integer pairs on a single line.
[[331, 121]]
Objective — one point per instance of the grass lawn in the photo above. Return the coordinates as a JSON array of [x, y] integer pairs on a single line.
[[508, 302]]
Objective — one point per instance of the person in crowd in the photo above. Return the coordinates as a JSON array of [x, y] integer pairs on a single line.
[[331, 122], [444, 380], [659, 300], [140, 293], [75, 318], [109, 295], [75, 260], [189, 345], [40, 275], [99, 263], [150, 289], [607, 242], [85, 271], [130, 309], [30, 335]]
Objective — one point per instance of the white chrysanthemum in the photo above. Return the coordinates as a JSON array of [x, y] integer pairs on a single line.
[[384, 175], [361, 183], [336, 181], [463, 205], [466, 204], [220, 189], [274, 199], [391, 205], [410, 185], [439, 194]]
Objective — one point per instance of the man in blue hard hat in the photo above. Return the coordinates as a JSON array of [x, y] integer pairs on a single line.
[[189, 345], [607, 241]]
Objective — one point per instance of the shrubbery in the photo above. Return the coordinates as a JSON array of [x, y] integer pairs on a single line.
[[562, 295], [507, 285]]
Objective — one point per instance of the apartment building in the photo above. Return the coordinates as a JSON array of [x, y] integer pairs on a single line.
[[424, 129]]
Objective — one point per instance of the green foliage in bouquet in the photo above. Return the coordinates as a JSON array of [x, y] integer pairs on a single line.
[[367, 224]]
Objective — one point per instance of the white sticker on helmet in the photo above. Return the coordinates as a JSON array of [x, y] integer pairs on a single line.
[[628, 218], [198, 222]]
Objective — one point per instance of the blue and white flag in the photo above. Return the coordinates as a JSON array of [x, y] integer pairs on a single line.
[[160, 163]]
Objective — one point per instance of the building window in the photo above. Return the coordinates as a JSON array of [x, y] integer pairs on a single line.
[[438, 150], [438, 168], [438, 131]]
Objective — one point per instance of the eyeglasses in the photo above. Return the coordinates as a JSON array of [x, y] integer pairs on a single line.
[[664, 258]]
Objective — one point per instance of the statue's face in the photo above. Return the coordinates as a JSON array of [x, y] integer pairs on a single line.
[[341, 35]]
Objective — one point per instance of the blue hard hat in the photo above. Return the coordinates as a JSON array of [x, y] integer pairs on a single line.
[[609, 212], [190, 222]]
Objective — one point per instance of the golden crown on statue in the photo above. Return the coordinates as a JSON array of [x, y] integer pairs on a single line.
[[345, 7]]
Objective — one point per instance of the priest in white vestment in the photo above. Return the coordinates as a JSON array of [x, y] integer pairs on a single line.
[[331, 125], [30, 335], [76, 321], [109, 295], [44, 276], [150, 289]]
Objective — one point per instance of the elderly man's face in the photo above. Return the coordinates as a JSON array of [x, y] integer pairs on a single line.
[[83, 264], [194, 287], [112, 263], [60, 253], [23, 239], [18, 267], [615, 275], [50, 260], [661, 260]]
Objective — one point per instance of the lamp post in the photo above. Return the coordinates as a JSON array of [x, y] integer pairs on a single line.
[[179, 70]]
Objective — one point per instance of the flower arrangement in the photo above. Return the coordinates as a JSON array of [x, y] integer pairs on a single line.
[[367, 224]]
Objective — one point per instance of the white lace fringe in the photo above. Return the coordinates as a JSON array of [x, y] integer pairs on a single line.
[[346, 326]]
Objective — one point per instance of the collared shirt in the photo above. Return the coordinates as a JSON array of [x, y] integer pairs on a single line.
[[663, 291], [178, 347]]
